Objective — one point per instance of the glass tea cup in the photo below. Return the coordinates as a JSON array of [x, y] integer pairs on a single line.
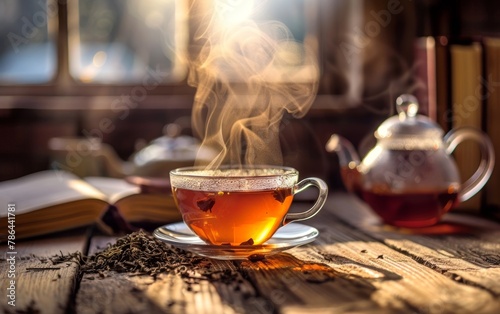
[[243, 205]]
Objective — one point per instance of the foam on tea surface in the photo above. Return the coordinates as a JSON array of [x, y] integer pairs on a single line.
[[245, 179]]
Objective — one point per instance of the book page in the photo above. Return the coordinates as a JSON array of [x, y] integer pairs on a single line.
[[114, 189], [44, 189], [133, 204]]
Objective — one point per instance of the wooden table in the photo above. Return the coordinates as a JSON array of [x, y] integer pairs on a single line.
[[356, 265]]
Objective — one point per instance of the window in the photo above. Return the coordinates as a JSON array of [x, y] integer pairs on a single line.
[[99, 47], [119, 41], [27, 52], [109, 41]]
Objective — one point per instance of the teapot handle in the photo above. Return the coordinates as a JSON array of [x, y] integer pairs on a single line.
[[483, 172]]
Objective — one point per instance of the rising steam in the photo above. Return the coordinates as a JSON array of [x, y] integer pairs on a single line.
[[247, 74]]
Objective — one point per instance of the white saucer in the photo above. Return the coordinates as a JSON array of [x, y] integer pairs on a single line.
[[287, 237]]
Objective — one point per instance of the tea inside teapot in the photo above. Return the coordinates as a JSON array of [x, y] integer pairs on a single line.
[[407, 207]]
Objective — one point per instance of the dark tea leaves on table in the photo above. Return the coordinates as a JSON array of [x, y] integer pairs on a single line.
[[139, 253]]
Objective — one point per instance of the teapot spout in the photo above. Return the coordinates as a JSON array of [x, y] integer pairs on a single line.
[[348, 157], [349, 161]]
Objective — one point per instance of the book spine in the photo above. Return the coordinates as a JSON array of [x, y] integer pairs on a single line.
[[425, 73], [443, 86], [432, 74], [492, 95], [466, 96]]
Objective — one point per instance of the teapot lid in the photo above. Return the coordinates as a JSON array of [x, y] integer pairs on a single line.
[[408, 124]]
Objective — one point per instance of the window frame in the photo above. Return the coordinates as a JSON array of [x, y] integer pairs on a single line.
[[64, 85]]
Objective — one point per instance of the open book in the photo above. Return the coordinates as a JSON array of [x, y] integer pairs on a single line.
[[50, 201]]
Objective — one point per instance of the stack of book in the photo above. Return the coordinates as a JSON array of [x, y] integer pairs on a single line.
[[460, 86]]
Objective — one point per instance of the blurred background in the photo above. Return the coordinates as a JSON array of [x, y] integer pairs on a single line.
[[115, 71]]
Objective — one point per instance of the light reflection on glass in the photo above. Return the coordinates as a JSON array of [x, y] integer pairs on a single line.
[[99, 59]]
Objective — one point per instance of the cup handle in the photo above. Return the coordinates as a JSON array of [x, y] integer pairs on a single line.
[[483, 172], [301, 186]]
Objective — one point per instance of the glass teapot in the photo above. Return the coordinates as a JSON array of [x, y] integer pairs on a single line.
[[410, 178]]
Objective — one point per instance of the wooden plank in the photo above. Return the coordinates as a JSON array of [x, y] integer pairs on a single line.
[[120, 293], [395, 281], [239, 294], [400, 283], [173, 294], [38, 291], [290, 284], [116, 294], [40, 286], [168, 293], [462, 247]]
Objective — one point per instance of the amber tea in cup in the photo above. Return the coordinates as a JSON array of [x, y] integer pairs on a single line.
[[240, 206]]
